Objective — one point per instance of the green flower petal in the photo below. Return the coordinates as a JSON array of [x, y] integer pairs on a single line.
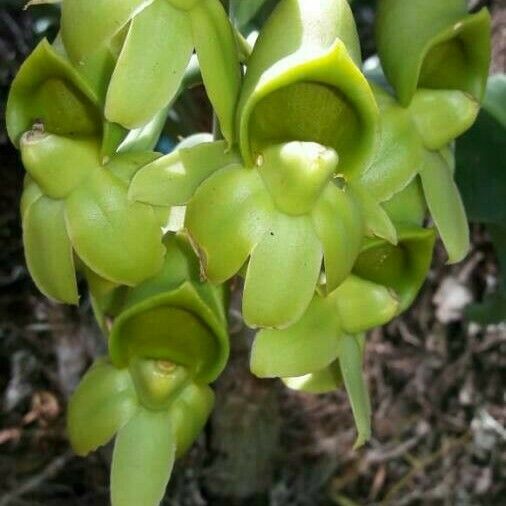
[[399, 154], [439, 46], [88, 26], [189, 414], [408, 206], [282, 273], [446, 207], [118, 239], [147, 76], [321, 382], [226, 218], [363, 305], [102, 404], [173, 179], [47, 89], [442, 115], [339, 224], [307, 346], [350, 360], [48, 250], [142, 461], [218, 57]]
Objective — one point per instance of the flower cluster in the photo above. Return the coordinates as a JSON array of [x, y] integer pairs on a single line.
[[315, 192]]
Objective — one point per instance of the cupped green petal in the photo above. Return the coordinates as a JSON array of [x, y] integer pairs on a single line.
[[118, 239], [218, 58], [350, 361], [303, 83], [58, 164], [399, 154], [442, 115], [363, 305], [31, 193], [102, 404], [339, 224], [49, 90], [282, 273], [226, 218], [143, 457], [438, 46], [445, 206], [88, 26], [305, 347], [189, 414], [147, 76], [321, 382], [403, 267], [176, 326], [173, 179], [48, 250]]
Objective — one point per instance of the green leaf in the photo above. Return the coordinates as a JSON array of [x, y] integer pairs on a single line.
[[143, 458], [147, 76], [104, 402], [172, 180], [350, 360], [226, 218], [48, 250], [363, 305], [339, 225], [307, 346], [282, 273], [442, 115], [445, 206], [118, 239], [480, 172], [218, 57]]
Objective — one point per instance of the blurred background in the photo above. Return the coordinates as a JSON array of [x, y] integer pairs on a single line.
[[436, 375]]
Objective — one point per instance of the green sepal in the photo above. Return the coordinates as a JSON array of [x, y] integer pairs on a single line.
[[304, 72], [282, 273], [339, 224], [189, 414], [351, 361], [362, 304], [441, 116], [403, 267], [89, 26], [102, 404], [218, 57], [377, 221], [118, 239], [143, 458], [445, 205], [227, 217], [399, 152], [145, 80], [308, 345], [50, 91], [408, 207], [440, 46], [321, 382], [173, 179], [48, 250], [58, 164]]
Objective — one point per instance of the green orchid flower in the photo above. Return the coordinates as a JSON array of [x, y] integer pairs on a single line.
[[167, 342], [146, 77], [74, 205], [434, 45]]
